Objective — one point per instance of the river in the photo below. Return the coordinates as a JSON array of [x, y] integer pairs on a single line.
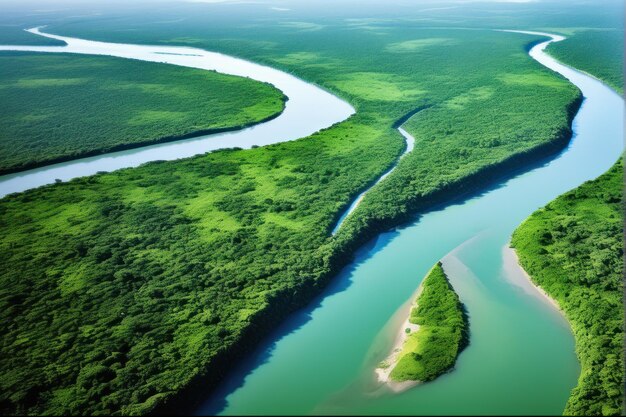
[[521, 355], [309, 109]]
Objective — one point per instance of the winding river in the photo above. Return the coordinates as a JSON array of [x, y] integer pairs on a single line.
[[521, 357], [309, 109]]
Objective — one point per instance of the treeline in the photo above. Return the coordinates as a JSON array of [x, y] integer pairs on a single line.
[[573, 248], [442, 335], [60, 107]]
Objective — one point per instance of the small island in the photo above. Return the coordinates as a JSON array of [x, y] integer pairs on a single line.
[[432, 337]]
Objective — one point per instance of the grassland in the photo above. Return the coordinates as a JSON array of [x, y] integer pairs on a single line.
[[118, 103], [573, 249], [443, 331], [129, 288]]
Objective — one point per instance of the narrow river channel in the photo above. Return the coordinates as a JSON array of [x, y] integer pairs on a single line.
[[521, 356]]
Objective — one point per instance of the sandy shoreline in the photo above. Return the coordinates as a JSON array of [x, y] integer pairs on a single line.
[[519, 277], [516, 275], [390, 361]]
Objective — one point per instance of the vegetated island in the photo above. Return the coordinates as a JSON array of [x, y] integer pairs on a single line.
[[573, 249], [433, 336]]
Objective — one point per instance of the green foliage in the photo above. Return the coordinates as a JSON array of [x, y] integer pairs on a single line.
[[506, 105], [117, 290], [442, 334], [120, 103], [598, 52], [573, 248]]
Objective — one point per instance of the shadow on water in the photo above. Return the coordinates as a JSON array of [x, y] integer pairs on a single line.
[[489, 185], [218, 400]]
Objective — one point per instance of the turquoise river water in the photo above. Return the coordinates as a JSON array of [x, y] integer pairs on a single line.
[[521, 356]]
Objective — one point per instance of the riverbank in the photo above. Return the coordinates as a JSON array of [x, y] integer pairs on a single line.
[[357, 233], [300, 100], [409, 144], [344, 249], [385, 367], [351, 237], [299, 278], [548, 353], [136, 145], [572, 248], [521, 278]]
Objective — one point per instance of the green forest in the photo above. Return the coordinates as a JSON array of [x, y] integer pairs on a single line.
[[598, 52], [120, 104], [573, 248], [442, 335], [120, 291], [123, 287]]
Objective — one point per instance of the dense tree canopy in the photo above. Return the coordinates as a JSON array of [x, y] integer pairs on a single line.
[[60, 107], [573, 248], [599, 52]]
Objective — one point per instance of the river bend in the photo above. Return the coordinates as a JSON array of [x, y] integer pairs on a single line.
[[308, 110]]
